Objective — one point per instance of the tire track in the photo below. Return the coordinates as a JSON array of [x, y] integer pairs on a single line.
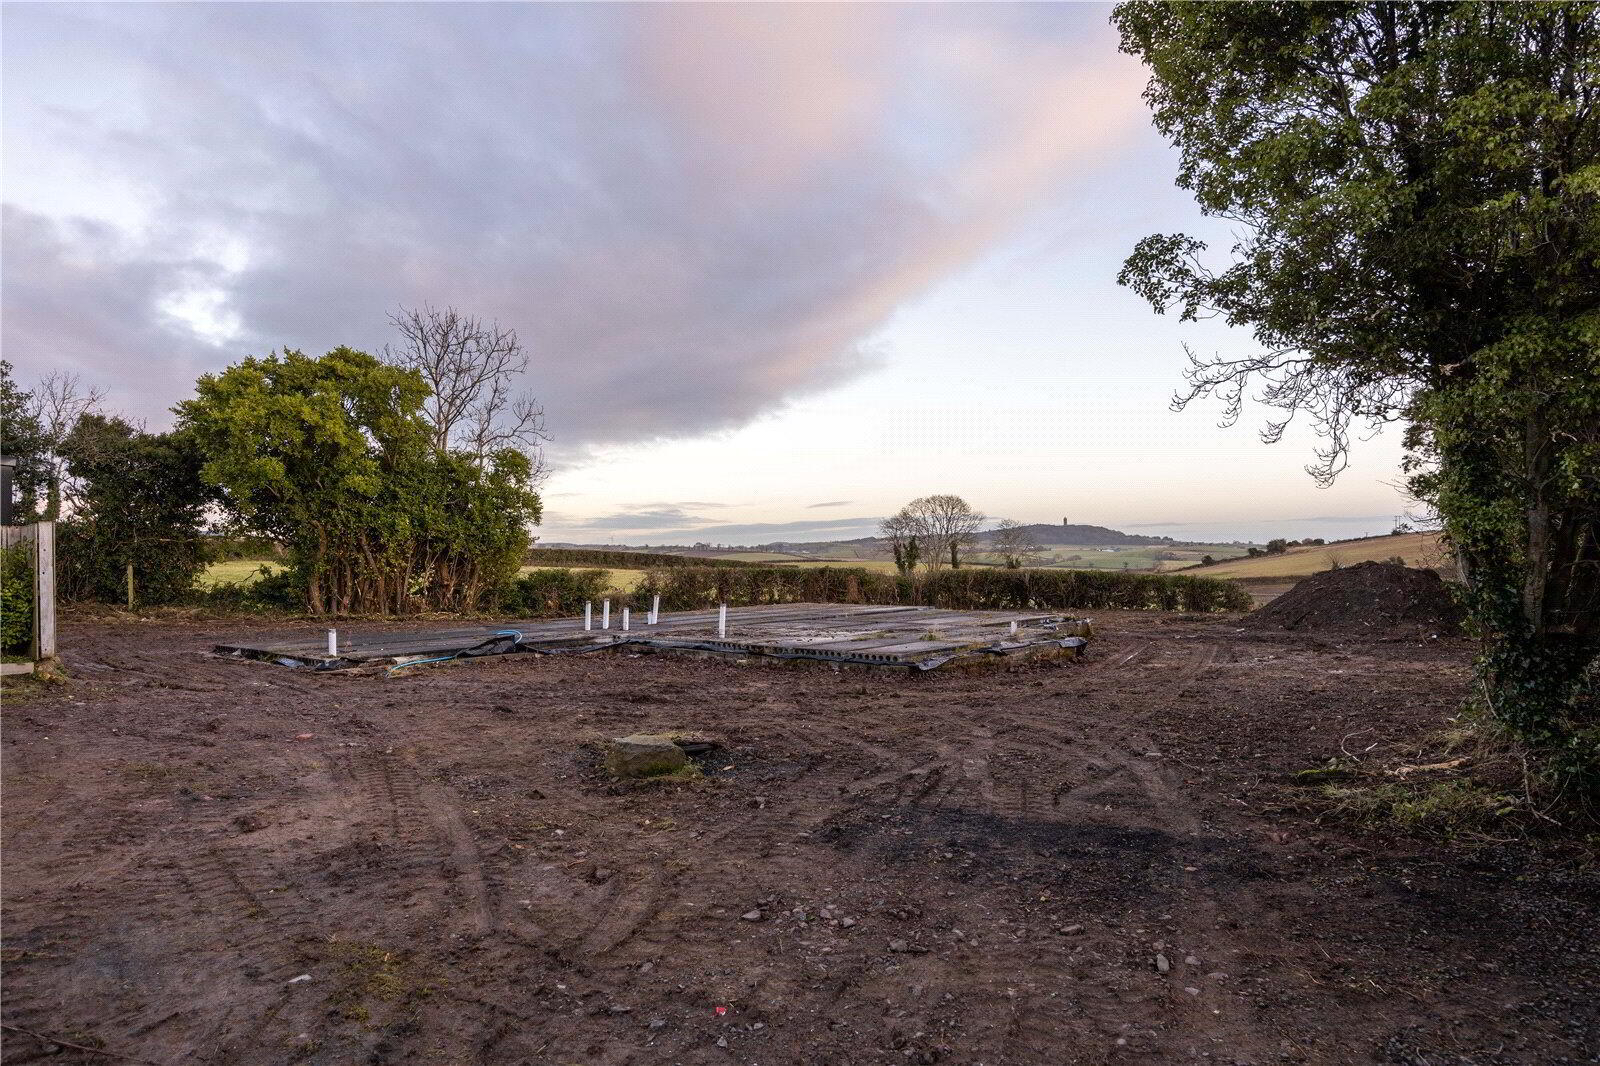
[[1212, 1012], [428, 830]]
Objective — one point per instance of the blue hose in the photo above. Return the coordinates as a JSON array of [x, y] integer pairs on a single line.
[[419, 662], [516, 633]]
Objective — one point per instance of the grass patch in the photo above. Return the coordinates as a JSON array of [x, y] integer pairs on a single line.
[[688, 773], [147, 771], [367, 975], [20, 687], [1459, 807], [1470, 783], [236, 572]]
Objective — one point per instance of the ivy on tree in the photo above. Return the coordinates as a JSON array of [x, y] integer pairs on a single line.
[[1416, 192], [22, 438]]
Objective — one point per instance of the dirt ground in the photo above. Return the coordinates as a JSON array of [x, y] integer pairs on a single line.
[[226, 862]]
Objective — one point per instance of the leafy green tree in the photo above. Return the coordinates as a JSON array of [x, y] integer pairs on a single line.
[[138, 500], [471, 512], [334, 457], [22, 438], [304, 450], [1415, 187]]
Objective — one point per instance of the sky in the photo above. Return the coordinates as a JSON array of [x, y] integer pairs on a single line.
[[778, 268]]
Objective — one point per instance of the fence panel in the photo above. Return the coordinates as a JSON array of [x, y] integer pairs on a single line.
[[11, 536], [41, 536]]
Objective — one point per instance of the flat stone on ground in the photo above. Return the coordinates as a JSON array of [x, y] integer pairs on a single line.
[[644, 755]]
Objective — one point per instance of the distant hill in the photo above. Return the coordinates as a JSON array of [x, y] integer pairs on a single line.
[[1078, 536], [1088, 536]]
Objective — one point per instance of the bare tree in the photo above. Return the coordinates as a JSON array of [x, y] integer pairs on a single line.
[[944, 525], [1015, 544], [471, 366], [58, 401]]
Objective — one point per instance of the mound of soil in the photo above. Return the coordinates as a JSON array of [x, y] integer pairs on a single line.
[[1382, 599]]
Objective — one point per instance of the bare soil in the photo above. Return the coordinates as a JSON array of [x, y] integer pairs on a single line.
[[224, 862]]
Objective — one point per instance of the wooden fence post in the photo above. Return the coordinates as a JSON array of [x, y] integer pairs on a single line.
[[130, 586], [44, 590]]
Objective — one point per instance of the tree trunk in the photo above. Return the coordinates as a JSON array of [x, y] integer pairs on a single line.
[[1542, 622]]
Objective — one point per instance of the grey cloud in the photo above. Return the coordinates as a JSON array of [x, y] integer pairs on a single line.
[[75, 300], [725, 533], [830, 503], [800, 530], [666, 518], [681, 504], [690, 213]]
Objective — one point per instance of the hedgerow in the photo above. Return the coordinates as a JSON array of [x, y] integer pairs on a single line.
[[697, 588], [16, 599], [554, 592]]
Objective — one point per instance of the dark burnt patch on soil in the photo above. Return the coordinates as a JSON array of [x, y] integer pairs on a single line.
[[988, 848]]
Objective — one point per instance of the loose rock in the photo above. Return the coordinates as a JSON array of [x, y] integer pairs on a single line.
[[644, 755]]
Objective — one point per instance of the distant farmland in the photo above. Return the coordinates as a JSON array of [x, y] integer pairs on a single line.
[[1417, 549], [1071, 557], [621, 580], [1145, 557]]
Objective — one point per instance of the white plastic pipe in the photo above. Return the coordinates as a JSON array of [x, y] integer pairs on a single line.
[[333, 642], [655, 610], [722, 621], [588, 615], [624, 619], [605, 614]]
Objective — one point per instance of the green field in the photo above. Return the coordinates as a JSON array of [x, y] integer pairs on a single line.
[[761, 557], [234, 571], [621, 580], [882, 566], [1138, 556]]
